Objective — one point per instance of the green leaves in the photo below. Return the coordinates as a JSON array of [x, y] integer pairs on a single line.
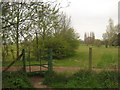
[[84, 79], [110, 37], [16, 80], [39, 25]]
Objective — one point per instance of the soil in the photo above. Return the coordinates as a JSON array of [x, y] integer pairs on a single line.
[[58, 69], [37, 82]]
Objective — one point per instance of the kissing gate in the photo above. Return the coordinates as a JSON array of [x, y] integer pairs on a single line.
[[44, 64]]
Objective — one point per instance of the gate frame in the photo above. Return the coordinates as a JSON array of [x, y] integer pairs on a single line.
[[50, 66]]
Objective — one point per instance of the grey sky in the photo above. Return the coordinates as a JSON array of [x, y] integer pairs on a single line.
[[91, 15]]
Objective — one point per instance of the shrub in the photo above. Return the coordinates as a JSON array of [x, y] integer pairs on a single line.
[[63, 44], [85, 79], [55, 80], [15, 80], [61, 48]]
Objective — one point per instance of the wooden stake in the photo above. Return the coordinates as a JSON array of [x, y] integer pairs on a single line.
[[90, 58]]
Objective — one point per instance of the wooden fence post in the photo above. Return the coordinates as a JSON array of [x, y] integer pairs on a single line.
[[90, 58], [24, 64]]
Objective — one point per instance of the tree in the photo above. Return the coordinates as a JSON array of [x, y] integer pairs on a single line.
[[97, 42], [105, 40], [92, 38], [110, 37], [89, 38], [85, 37], [5, 29], [15, 21], [37, 24], [64, 44], [44, 23]]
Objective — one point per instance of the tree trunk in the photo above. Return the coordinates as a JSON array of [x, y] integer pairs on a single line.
[[37, 47], [17, 33], [106, 44]]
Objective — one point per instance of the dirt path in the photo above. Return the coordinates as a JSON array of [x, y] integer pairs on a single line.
[[37, 82], [58, 69]]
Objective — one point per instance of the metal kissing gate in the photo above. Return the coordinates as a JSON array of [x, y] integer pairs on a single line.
[[45, 62]]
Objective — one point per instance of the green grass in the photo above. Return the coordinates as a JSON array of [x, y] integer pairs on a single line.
[[20, 63], [83, 79], [102, 58]]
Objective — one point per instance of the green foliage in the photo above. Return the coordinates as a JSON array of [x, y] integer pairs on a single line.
[[97, 42], [55, 80], [59, 45], [110, 79], [84, 79], [47, 27], [87, 79], [15, 80], [110, 37], [63, 44]]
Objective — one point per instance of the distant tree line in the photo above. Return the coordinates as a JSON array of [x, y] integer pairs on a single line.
[[110, 37], [89, 38]]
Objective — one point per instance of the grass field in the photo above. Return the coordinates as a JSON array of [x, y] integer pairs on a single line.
[[102, 58]]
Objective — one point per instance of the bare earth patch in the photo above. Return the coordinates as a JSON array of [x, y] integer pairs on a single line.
[[58, 69], [37, 82]]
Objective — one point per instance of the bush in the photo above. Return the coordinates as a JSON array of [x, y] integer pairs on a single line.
[[55, 80], [61, 48], [15, 80], [110, 79], [84, 79], [63, 44]]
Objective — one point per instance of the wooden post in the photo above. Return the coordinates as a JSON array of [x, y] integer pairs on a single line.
[[90, 58], [50, 61], [24, 64]]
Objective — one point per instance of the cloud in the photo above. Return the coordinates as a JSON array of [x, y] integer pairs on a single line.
[[92, 15]]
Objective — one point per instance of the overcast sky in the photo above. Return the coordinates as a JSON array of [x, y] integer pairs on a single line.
[[91, 15]]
